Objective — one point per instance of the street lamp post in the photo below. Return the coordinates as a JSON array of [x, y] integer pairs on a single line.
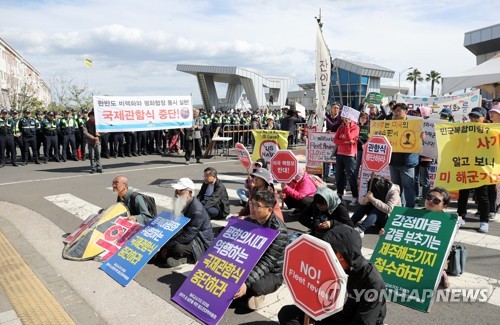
[[399, 81]]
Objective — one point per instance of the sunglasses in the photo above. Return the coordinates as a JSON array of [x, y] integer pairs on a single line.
[[433, 198]]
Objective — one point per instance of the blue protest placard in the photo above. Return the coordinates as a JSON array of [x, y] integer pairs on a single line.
[[131, 258], [210, 287]]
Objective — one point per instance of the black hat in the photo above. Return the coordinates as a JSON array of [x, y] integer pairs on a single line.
[[4, 111], [27, 111], [50, 113], [85, 111], [66, 111], [13, 112], [39, 113]]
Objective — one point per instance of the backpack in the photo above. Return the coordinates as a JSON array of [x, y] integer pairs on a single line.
[[150, 202], [456, 260]]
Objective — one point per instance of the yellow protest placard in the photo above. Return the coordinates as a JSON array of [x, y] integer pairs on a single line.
[[469, 155], [404, 135], [268, 142]]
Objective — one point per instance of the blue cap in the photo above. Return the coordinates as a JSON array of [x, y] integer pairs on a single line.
[[446, 111], [479, 111]]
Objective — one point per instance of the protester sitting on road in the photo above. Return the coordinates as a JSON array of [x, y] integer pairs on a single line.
[[262, 181], [243, 192], [213, 195], [363, 277], [189, 244], [377, 204], [326, 212], [267, 275], [298, 194], [139, 210]]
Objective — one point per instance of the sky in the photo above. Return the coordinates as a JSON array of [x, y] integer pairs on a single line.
[[135, 46]]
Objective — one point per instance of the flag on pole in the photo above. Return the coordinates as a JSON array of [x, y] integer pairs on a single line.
[[323, 72], [87, 62]]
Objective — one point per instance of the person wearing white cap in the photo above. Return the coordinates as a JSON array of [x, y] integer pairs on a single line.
[[189, 244], [270, 125]]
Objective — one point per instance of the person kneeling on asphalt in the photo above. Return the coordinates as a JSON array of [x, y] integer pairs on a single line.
[[366, 302], [213, 195], [189, 244], [267, 275], [326, 211]]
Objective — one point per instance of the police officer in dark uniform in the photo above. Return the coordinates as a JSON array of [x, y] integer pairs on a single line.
[[7, 137], [67, 127], [26, 127], [81, 122], [18, 141], [77, 133], [50, 129], [39, 132]]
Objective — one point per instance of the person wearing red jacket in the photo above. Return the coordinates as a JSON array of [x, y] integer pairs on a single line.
[[346, 138], [299, 193]]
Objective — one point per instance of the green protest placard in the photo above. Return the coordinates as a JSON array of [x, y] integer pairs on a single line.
[[374, 98], [363, 132], [412, 253]]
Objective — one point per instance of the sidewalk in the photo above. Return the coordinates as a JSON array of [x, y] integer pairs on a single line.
[[78, 290]]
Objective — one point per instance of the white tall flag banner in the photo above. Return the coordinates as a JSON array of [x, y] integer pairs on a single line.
[[323, 71]]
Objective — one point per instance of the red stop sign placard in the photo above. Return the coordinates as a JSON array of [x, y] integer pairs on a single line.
[[284, 166], [315, 277], [243, 155], [377, 153]]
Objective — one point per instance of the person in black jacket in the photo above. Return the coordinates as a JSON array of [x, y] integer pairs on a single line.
[[213, 195], [366, 302], [267, 275], [289, 123], [189, 244], [326, 212]]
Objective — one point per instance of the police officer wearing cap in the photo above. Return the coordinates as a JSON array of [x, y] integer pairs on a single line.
[[26, 128], [39, 132], [50, 129], [83, 142], [67, 127], [18, 141], [7, 126]]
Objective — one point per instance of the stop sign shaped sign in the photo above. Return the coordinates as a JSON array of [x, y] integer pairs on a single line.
[[284, 166], [377, 153], [243, 155], [315, 277]]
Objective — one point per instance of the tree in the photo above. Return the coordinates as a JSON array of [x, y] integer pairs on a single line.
[[415, 76], [434, 78], [67, 93]]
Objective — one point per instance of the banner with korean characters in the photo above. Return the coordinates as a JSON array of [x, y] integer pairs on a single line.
[[365, 176], [210, 287], [469, 155], [267, 143], [412, 253], [142, 113], [429, 145], [374, 98], [460, 104], [404, 135], [125, 264]]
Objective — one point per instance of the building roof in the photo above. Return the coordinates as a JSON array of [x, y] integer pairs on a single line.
[[230, 75], [364, 69], [308, 86], [484, 40]]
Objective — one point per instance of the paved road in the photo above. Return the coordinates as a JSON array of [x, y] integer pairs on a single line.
[[64, 193]]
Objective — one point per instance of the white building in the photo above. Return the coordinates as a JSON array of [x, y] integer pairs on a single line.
[[19, 79]]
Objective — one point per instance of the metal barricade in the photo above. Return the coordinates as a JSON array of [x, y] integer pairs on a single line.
[[238, 133]]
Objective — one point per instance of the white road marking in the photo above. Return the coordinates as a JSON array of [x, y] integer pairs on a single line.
[[74, 205]]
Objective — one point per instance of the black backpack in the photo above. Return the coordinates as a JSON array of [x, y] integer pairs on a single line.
[[150, 202]]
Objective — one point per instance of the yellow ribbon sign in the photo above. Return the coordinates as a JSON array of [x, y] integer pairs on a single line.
[[404, 135], [469, 155], [268, 142]]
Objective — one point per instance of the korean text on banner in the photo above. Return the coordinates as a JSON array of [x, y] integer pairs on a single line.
[[320, 147], [460, 104], [404, 135], [221, 271], [411, 254], [323, 75], [374, 98], [142, 113], [365, 175], [469, 155], [350, 113], [267, 143], [131, 258]]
